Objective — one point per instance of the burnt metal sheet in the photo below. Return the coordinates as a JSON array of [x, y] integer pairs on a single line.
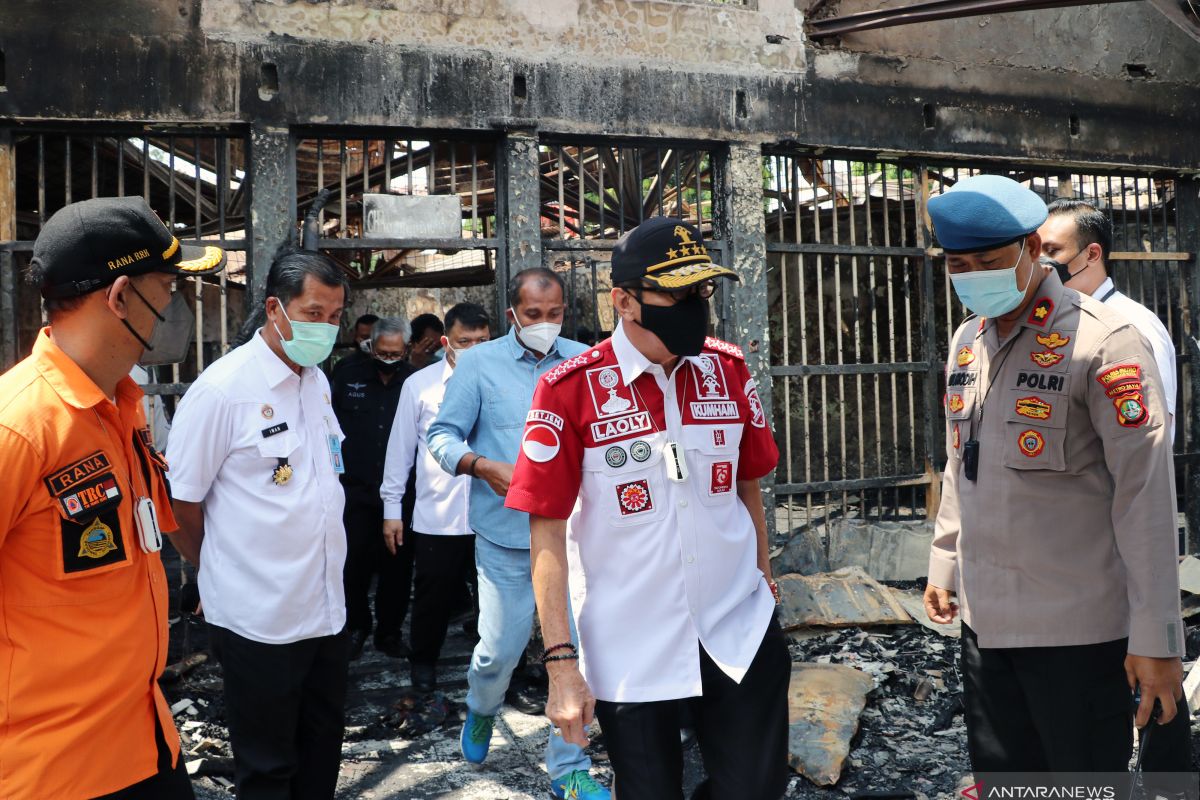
[[824, 704], [932, 10], [844, 597]]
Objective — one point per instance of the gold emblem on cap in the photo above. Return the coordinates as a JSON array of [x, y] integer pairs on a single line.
[[170, 251], [267, 411], [97, 540], [282, 474]]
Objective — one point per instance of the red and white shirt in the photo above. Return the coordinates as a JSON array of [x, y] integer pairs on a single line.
[[656, 565]]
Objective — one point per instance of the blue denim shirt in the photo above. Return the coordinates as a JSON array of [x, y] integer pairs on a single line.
[[484, 410]]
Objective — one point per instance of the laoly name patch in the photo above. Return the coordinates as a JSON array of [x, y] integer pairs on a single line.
[[621, 426]]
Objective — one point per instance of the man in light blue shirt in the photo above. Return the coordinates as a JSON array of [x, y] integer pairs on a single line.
[[478, 433]]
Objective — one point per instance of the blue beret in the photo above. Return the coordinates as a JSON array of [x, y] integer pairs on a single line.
[[984, 212]]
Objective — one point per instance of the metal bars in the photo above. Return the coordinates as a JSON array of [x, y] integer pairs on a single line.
[[350, 167], [193, 180]]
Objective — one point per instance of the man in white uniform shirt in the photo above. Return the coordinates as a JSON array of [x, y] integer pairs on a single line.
[[1076, 241], [255, 458], [444, 554]]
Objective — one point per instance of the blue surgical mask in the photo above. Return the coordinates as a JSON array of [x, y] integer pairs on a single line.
[[311, 342], [993, 292]]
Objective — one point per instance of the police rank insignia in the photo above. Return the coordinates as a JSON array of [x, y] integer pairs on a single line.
[[965, 356], [634, 498], [1042, 309], [1034, 408], [1031, 443], [1054, 341], [615, 456], [283, 473], [1045, 359], [96, 541]]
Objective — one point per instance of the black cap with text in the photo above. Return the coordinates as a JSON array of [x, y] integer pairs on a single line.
[[86, 246]]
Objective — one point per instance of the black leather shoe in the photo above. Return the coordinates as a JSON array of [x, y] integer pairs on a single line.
[[526, 698], [424, 677], [392, 646], [358, 640]]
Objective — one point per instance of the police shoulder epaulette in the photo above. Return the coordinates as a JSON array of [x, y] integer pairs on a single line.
[[570, 365], [724, 347]]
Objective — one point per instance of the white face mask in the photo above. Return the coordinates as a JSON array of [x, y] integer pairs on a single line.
[[540, 337]]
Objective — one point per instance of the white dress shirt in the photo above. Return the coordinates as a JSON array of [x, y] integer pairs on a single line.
[[442, 499], [1156, 334], [273, 553]]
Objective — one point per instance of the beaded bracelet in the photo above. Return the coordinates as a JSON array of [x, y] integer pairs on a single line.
[[564, 646], [563, 657]]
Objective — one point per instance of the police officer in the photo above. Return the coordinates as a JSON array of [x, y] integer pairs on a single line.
[[84, 599], [365, 397], [1057, 525], [660, 435]]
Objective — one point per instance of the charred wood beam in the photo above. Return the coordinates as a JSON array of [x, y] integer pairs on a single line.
[[930, 11]]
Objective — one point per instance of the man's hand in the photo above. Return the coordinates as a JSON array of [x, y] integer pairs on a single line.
[[498, 474], [938, 604], [393, 534], [570, 704], [1161, 679]]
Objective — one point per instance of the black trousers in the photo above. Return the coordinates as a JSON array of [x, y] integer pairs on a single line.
[[366, 556], [742, 730], [169, 783], [1047, 709], [284, 704], [442, 566]]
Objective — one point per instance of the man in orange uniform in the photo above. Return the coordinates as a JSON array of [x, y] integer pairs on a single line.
[[83, 595]]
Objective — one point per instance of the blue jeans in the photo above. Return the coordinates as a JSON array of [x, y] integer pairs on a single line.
[[506, 609]]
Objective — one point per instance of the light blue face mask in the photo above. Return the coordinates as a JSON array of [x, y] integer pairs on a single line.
[[992, 292], [311, 342]]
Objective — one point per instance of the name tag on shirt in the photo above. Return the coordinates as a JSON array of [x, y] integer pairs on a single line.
[[335, 454]]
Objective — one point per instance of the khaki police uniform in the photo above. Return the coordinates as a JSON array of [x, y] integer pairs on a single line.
[[1067, 536]]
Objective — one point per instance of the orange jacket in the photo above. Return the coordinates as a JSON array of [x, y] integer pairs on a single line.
[[83, 610]]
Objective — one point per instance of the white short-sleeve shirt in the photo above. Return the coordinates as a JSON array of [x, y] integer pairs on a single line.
[[271, 563]]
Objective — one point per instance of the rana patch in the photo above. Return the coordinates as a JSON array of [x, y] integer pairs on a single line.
[[68, 477], [1034, 408], [1031, 443]]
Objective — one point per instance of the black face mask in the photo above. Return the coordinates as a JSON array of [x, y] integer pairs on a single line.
[[1064, 272], [681, 327], [386, 368]]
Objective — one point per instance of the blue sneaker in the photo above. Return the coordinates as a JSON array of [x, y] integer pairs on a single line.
[[578, 785], [476, 736]]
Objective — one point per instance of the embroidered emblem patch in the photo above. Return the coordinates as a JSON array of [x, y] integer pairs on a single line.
[[955, 403], [634, 498], [66, 478], [1131, 411], [621, 426], [757, 417], [718, 437], [1034, 408], [267, 411], [722, 478], [1042, 308], [610, 395], [540, 443], [965, 356], [710, 377], [954, 437], [1031, 443], [1121, 379], [90, 496], [1053, 341], [615, 456], [1045, 359], [548, 417], [640, 450], [724, 347], [96, 541]]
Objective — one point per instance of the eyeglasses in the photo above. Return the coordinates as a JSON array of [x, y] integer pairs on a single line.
[[703, 290]]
